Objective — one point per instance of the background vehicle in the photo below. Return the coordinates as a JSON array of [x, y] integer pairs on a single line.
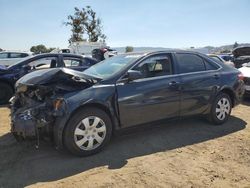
[[219, 58], [226, 57], [85, 48], [83, 109], [245, 69], [103, 53], [8, 76], [241, 55], [8, 58]]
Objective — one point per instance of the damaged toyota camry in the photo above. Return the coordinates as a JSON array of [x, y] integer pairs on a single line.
[[81, 110]]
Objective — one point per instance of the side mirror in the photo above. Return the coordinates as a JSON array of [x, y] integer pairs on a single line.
[[134, 75], [26, 67]]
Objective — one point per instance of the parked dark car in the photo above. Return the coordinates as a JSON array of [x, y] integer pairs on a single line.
[[9, 75], [82, 109]]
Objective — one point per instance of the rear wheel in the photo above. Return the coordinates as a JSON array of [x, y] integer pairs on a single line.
[[6, 93], [87, 132], [221, 109]]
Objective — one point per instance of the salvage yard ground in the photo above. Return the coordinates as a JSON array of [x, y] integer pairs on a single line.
[[187, 153]]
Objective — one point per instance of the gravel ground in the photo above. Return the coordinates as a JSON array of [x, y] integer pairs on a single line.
[[186, 153]]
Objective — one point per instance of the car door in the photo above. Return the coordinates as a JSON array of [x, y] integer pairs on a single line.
[[200, 80], [154, 97]]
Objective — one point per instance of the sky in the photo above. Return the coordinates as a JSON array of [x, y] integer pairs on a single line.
[[147, 23]]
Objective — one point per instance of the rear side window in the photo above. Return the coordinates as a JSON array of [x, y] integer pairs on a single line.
[[15, 55], [190, 63], [71, 62], [210, 66], [24, 55], [3, 55], [89, 62]]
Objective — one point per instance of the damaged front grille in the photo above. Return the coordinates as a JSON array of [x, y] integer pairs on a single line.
[[32, 112], [39, 100]]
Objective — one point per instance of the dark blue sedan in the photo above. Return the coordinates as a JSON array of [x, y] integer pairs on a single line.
[[9, 75], [82, 109]]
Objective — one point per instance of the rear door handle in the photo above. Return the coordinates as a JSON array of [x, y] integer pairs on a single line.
[[216, 76], [173, 84]]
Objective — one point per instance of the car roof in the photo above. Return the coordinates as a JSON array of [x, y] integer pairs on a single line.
[[151, 52], [57, 54]]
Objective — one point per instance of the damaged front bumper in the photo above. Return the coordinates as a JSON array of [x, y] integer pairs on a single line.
[[35, 121], [40, 100]]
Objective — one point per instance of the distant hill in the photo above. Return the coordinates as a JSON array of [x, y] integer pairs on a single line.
[[205, 50]]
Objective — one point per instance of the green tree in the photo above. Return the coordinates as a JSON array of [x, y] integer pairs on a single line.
[[85, 26], [129, 49], [235, 45], [40, 49]]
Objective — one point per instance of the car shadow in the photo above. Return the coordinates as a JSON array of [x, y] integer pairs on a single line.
[[246, 101], [28, 166], [4, 105]]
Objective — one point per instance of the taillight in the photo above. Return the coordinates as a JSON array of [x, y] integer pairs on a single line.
[[104, 50], [240, 76]]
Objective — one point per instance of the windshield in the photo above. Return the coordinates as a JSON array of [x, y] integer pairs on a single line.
[[111, 66]]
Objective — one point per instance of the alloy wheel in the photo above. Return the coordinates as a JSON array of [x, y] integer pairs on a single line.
[[223, 108], [90, 133]]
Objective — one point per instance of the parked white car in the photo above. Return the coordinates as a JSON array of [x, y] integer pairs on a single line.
[[245, 70], [8, 58], [218, 58]]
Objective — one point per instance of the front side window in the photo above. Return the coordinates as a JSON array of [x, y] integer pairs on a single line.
[[190, 63], [47, 62], [3, 55], [158, 65]]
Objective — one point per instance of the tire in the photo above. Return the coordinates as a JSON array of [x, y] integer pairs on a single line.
[[221, 109], [6, 93], [88, 127]]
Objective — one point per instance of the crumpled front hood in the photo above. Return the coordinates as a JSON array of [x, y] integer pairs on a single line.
[[241, 51], [47, 76]]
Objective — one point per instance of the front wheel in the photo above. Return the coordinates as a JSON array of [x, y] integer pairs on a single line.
[[221, 109], [87, 132]]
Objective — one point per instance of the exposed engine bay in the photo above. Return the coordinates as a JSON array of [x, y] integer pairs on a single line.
[[39, 100]]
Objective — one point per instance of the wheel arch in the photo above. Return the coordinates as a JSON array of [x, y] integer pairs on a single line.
[[105, 108], [230, 93]]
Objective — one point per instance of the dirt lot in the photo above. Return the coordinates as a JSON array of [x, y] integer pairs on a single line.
[[187, 153]]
